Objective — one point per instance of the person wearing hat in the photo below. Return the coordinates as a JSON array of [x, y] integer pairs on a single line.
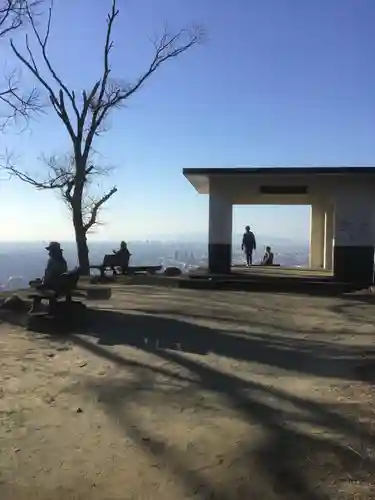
[[56, 265]]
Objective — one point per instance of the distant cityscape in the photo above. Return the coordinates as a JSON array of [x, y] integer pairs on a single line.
[[21, 262]]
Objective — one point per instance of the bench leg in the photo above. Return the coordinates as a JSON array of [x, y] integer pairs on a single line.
[[52, 303], [37, 301]]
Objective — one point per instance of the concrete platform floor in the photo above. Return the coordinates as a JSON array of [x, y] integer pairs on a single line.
[[276, 279], [271, 272], [260, 279]]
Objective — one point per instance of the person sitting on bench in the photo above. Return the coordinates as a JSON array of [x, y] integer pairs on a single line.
[[56, 267], [123, 256], [267, 258]]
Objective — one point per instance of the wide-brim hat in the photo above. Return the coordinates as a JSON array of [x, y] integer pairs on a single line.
[[54, 245]]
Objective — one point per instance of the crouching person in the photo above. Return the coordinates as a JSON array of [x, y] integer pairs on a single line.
[[267, 257]]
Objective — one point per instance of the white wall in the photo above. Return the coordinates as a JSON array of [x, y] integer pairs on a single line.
[[354, 214], [244, 189]]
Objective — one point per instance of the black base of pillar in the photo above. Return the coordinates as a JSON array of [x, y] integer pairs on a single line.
[[219, 258], [354, 264]]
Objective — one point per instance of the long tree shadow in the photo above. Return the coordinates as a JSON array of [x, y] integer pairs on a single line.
[[223, 316], [290, 447], [286, 352], [293, 463]]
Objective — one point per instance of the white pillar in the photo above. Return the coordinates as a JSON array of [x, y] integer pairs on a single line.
[[220, 232], [328, 238], [317, 236], [354, 234]]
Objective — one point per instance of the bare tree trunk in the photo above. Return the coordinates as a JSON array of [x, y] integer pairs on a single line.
[[81, 239], [82, 250]]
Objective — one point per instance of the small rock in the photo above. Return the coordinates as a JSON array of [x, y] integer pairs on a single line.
[[79, 410], [82, 364], [16, 450], [50, 355], [50, 400]]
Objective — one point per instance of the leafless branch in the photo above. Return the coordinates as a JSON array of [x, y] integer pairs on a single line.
[[62, 173], [14, 13], [93, 207], [43, 42], [56, 98], [14, 102], [112, 94], [52, 180]]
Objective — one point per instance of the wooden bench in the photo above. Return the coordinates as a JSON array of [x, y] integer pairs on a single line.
[[130, 270], [116, 263], [144, 269], [66, 290]]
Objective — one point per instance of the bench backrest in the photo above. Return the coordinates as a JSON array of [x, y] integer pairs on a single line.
[[69, 280], [114, 260]]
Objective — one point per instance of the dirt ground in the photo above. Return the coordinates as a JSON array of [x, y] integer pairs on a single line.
[[182, 394]]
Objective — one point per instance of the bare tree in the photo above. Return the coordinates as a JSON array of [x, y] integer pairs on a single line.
[[15, 103], [60, 176], [84, 114]]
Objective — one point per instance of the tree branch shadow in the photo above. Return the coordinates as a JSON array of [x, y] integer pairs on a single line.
[[291, 464], [284, 352]]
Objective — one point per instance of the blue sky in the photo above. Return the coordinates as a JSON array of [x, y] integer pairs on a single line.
[[278, 82]]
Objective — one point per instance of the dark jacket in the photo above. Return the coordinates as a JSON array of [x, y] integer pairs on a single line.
[[248, 241], [56, 266], [123, 255]]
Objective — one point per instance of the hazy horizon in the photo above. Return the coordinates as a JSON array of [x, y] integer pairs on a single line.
[[21, 262], [184, 238]]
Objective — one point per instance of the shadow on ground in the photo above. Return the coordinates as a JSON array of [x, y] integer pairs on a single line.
[[151, 330], [285, 352], [350, 301], [313, 451]]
